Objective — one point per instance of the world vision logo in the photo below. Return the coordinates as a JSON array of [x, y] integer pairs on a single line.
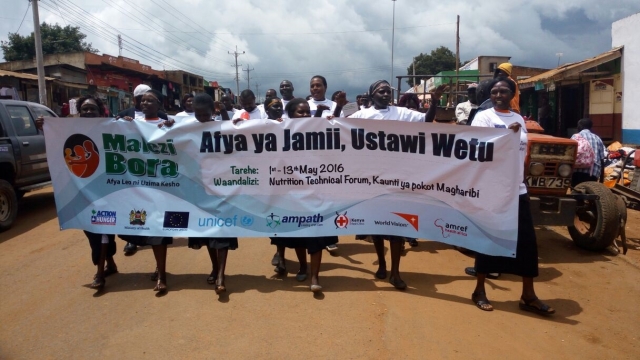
[[81, 155], [411, 218]]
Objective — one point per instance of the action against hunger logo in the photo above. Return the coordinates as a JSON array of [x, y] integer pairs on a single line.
[[81, 155]]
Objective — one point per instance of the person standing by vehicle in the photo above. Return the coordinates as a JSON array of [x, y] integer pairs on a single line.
[[464, 108], [525, 263], [504, 70], [249, 109], [380, 96], [103, 246], [581, 175]]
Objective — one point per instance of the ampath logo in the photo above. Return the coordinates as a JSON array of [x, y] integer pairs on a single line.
[[448, 229], [411, 218], [81, 155]]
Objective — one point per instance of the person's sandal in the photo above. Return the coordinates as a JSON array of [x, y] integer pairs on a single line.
[[98, 283], [220, 288], [397, 283], [280, 270], [543, 309], [484, 305]]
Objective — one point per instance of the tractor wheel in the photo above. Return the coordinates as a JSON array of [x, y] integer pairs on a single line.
[[596, 223]]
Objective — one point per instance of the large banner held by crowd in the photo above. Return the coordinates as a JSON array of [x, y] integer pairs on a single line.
[[300, 177]]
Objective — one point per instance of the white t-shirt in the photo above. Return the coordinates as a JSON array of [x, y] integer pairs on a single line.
[[230, 113], [462, 111], [494, 119], [255, 114], [261, 107], [184, 113], [284, 108], [313, 106], [390, 113]]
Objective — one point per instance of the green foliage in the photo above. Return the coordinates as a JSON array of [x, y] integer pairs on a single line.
[[440, 59], [55, 39]]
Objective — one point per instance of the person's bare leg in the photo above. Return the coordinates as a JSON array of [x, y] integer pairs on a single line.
[[160, 253], [213, 256], [378, 243], [281, 268], [222, 264], [301, 254], [316, 261], [99, 281], [396, 252]]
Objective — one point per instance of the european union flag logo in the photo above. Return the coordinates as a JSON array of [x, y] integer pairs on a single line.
[[176, 219]]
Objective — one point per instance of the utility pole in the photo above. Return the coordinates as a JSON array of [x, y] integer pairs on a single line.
[[236, 54], [258, 91], [42, 85], [119, 45], [393, 33], [248, 77], [457, 58]]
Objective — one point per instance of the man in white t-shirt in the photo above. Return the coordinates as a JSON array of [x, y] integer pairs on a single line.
[[286, 91], [228, 107], [464, 108], [270, 94], [249, 109]]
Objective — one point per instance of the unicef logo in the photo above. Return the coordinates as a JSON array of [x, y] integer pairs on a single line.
[[247, 220]]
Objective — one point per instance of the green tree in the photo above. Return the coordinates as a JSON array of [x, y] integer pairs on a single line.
[[440, 59], [55, 39]]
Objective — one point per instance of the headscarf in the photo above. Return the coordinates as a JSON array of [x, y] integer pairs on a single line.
[[376, 86]]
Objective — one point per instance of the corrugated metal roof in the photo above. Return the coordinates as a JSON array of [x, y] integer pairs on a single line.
[[22, 75], [570, 69]]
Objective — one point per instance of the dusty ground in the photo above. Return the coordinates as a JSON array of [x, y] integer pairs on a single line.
[[46, 310]]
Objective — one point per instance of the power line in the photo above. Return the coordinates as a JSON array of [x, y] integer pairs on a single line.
[[25, 15]]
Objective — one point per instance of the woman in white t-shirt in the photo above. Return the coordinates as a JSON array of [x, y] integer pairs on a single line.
[[150, 104], [187, 105], [525, 263], [319, 101]]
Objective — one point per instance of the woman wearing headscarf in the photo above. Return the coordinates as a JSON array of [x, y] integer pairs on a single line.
[[525, 263], [274, 109], [380, 96], [103, 246], [150, 105], [299, 108], [187, 106]]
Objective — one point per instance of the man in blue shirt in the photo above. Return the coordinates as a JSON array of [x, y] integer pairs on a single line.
[[593, 173]]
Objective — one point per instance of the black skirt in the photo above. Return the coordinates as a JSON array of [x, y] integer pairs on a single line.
[[312, 244], [525, 263], [230, 243], [95, 242], [147, 240]]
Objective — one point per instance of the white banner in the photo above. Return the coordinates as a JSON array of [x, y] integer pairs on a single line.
[[301, 177]]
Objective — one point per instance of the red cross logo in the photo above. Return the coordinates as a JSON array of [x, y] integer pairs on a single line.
[[341, 220]]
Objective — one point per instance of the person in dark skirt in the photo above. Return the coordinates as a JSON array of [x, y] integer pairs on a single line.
[[103, 247], [299, 108], [218, 248], [525, 263]]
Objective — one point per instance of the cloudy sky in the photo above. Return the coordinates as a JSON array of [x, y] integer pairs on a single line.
[[347, 41]]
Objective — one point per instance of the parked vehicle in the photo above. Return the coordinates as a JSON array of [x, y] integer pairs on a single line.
[[23, 157], [589, 210]]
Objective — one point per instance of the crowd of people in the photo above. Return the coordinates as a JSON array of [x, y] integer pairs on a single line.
[[492, 107]]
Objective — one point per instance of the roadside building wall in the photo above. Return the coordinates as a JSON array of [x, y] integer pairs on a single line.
[[625, 33]]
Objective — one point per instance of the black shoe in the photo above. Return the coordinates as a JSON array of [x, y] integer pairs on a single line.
[[413, 242], [130, 249], [472, 272], [276, 259]]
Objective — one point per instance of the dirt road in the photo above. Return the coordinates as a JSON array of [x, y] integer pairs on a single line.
[[47, 311]]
